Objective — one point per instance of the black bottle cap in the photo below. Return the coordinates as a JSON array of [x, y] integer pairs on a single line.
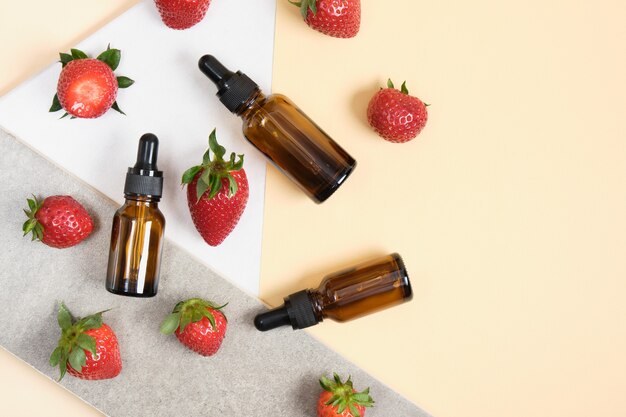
[[144, 179], [297, 311], [234, 89]]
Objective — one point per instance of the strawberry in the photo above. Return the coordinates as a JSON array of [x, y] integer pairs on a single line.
[[198, 324], [341, 399], [336, 18], [217, 193], [87, 349], [59, 221], [182, 14], [395, 115], [87, 87]]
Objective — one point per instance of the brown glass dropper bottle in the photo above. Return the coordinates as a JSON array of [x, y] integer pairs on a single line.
[[344, 295], [138, 227], [277, 127]]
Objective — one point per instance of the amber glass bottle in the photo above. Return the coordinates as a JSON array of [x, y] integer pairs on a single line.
[[344, 295], [138, 227], [277, 127]]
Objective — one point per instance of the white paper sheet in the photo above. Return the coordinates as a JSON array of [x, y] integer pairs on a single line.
[[172, 99]]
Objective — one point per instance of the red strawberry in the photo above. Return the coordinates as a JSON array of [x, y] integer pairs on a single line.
[[336, 18], [87, 87], [341, 399], [59, 221], [198, 324], [87, 349], [217, 193], [182, 14], [395, 115]]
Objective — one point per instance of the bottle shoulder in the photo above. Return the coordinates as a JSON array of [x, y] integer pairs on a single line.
[[136, 212]]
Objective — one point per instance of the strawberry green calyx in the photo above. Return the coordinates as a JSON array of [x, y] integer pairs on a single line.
[[305, 5], [344, 396], [189, 311], [111, 57], [74, 341], [213, 171], [403, 89], [32, 225]]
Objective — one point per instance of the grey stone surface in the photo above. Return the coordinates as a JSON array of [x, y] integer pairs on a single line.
[[253, 374]]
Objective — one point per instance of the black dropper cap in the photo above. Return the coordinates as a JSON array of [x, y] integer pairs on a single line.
[[144, 179], [297, 311], [234, 89]]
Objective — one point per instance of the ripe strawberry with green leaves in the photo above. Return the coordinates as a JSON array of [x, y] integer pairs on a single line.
[[341, 399], [87, 87], [336, 18], [198, 324], [58, 221], [217, 193], [87, 349], [182, 14], [395, 115]]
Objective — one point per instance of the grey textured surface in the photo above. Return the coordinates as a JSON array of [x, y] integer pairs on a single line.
[[253, 374]]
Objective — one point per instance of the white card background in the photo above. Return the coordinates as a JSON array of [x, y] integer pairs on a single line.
[[172, 99]]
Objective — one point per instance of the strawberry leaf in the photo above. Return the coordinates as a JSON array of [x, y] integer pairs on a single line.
[[38, 231], [304, 6], [32, 204], [65, 58], [390, 83], [170, 324], [56, 356], [78, 359], [206, 158], [354, 410], [232, 186], [124, 82], [190, 174], [78, 54], [184, 322], [334, 400], [326, 384], [201, 188], [64, 116], [28, 226], [238, 165], [63, 366], [206, 313], [196, 316], [116, 107], [91, 322], [56, 104], [216, 186], [64, 318], [111, 57], [217, 149], [87, 342], [403, 89]]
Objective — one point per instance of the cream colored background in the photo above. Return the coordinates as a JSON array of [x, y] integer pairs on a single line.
[[509, 209]]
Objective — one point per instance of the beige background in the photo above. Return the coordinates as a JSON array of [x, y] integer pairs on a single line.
[[509, 210]]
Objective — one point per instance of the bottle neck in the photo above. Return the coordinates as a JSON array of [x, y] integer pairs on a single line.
[[146, 200], [253, 104], [317, 303]]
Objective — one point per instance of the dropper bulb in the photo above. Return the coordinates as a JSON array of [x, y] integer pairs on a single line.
[[272, 319], [147, 152], [213, 69]]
